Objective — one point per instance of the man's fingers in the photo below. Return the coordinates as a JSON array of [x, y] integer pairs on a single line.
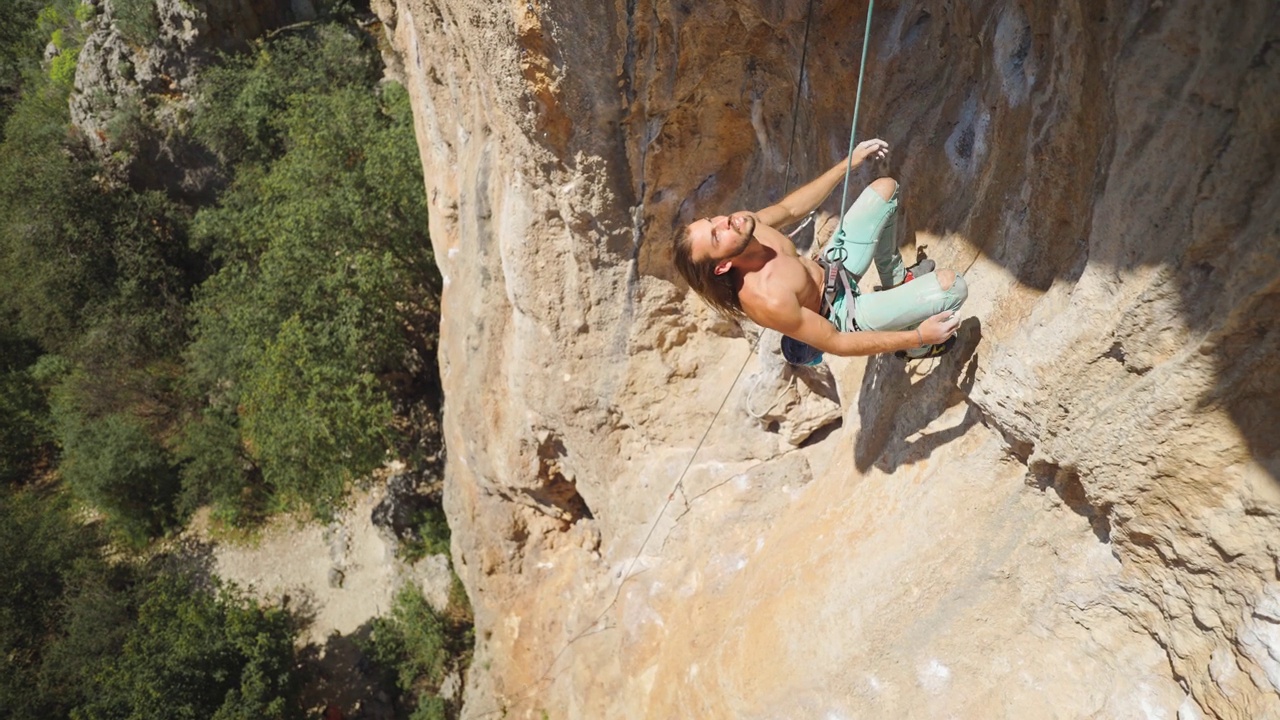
[[947, 324]]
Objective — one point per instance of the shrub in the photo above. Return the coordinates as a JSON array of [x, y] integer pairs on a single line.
[[430, 707], [431, 534], [85, 12], [137, 20], [62, 24], [196, 653], [115, 464], [420, 645], [43, 552]]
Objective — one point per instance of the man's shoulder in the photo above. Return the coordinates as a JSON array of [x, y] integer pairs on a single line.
[[765, 299]]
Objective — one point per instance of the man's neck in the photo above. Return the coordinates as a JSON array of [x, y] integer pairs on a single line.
[[754, 257]]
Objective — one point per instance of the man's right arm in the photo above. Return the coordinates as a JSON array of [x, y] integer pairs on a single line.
[[788, 317], [809, 196]]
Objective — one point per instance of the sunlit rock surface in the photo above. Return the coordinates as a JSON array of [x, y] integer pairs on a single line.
[[1076, 514]]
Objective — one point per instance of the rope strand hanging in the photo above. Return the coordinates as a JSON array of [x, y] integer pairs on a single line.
[[857, 101]]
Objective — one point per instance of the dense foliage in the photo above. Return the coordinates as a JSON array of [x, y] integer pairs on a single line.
[[43, 552], [193, 654], [24, 431], [80, 637], [159, 353], [237, 353], [323, 250]]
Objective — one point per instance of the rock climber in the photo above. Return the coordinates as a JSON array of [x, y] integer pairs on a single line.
[[742, 266]]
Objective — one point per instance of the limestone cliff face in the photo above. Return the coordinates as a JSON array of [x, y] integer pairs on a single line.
[[1077, 514]]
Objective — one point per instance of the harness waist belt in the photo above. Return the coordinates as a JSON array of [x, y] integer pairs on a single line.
[[838, 278]]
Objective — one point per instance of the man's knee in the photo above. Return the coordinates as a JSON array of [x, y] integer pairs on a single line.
[[954, 284], [885, 187]]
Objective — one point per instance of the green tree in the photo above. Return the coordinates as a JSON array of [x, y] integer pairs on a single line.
[[87, 269], [243, 98], [52, 258], [43, 550], [323, 253], [83, 638], [197, 653], [114, 463], [24, 414], [218, 469], [314, 417], [20, 46], [97, 614], [100, 275]]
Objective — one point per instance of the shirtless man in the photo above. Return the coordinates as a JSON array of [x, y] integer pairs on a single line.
[[742, 265]]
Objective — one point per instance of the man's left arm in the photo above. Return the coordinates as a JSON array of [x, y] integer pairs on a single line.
[[809, 196]]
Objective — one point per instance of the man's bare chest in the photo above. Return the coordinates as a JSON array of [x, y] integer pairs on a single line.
[[782, 277]]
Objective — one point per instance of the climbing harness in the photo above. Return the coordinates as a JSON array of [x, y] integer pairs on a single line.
[[838, 278]]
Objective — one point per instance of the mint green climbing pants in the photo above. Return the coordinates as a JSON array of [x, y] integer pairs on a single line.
[[866, 233]]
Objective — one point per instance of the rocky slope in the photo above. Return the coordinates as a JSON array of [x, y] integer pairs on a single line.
[[136, 79], [1075, 515]]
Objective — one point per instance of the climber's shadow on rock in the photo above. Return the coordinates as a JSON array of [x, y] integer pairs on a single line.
[[891, 408]]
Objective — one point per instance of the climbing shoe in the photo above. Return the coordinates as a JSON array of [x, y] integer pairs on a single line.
[[934, 350], [924, 267]]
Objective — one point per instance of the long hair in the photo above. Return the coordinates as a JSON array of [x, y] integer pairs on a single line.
[[719, 291]]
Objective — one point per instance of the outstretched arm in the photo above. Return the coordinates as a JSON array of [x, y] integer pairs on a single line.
[[805, 198], [790, 318]]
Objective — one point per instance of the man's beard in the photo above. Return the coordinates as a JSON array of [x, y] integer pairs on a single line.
[[747, 230]]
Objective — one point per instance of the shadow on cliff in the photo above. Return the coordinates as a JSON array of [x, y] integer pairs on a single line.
[[1140, 153], [1068, 166], [891, 408]]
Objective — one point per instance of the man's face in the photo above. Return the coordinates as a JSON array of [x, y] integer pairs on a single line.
[[721, 238]]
